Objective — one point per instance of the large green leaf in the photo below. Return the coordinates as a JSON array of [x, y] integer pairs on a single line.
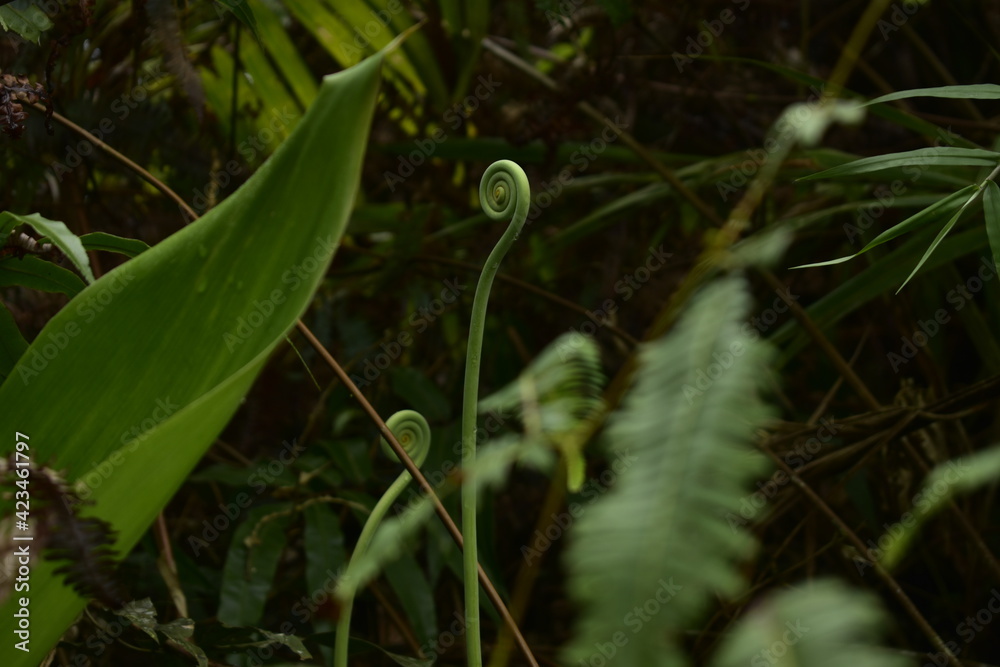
[[12, 343], [126, 402]]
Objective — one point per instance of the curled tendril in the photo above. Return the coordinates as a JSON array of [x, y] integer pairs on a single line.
[[504, 192], [413, 433]]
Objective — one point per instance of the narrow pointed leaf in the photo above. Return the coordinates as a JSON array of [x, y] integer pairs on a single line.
[[937, 239], [922, 157], [991, 211], [914, 222], [979, 91], [111, 243], [166, 361]]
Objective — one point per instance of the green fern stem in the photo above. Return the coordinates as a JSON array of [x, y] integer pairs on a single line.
[[504, 193], [413, 433]]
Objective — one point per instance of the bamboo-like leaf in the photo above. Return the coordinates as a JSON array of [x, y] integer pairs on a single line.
[[687, 425], [940, 237], [172, 351], [991, 211], [943, 206], [858, 290], [922, 157], [823, 624], [979, 91]]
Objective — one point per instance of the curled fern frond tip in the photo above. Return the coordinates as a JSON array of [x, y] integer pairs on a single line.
[[504, 192], [413, 433]]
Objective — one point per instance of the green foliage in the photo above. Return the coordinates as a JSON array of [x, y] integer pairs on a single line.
[[821, 624], [691, 465], [194, 376]]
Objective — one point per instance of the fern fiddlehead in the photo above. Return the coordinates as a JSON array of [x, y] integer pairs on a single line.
[[413, 433], [504, 193]]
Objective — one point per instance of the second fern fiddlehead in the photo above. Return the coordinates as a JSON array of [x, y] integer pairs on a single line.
[[504, 193], [413, 433]]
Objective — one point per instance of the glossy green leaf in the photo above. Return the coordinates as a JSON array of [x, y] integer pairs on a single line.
[[991, 211], [30, 271], [58, 234], [324, 546], [111, 243], [251, 563], [922, 157], [182, 331], [942, 207], [979, 91]]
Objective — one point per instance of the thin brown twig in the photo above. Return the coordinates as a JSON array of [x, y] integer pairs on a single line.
[[491, 591], [883, 574], [414, 471]]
